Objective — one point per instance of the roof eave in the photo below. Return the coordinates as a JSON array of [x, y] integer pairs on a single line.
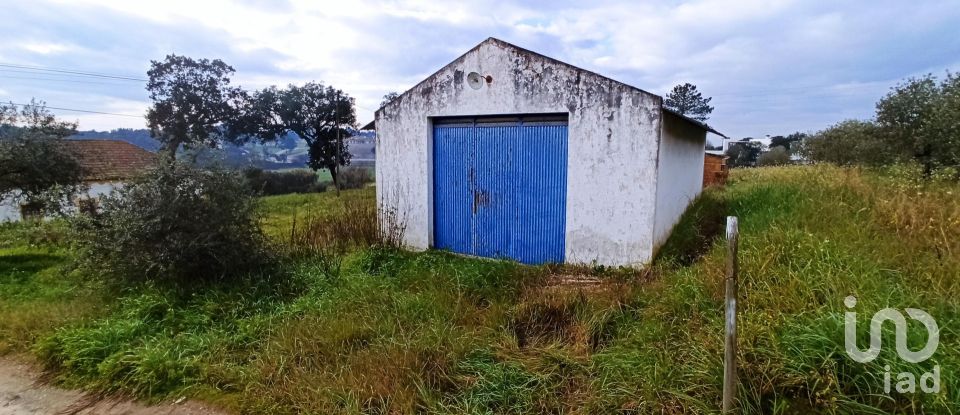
[[693, 121]]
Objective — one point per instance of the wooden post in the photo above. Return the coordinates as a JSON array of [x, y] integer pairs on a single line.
[[730, 338], [338, 157]]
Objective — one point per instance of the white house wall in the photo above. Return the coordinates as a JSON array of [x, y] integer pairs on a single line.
[[613, 132], [10, 212], [680, 172]]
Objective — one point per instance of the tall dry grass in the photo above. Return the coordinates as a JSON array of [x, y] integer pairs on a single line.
[[356, 225]]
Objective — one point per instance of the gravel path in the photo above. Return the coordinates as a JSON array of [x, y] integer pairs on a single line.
[[22, 394]]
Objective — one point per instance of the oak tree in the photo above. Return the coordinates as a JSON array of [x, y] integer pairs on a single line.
[[320, 115], [193, 102]]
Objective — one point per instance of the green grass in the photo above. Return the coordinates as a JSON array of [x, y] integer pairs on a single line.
[[323, 175], [37, 295], [280, 212], [401, 332]]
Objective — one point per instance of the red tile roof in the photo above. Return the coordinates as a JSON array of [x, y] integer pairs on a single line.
[[110, 160]]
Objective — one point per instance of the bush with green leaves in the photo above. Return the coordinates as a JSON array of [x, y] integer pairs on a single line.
[[37, 170], [777, 156], [921, 119], [176, 224], [850, 142], [355, 177], [270, 183], [917, 121]]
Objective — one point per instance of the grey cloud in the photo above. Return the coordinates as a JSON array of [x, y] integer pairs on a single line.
[[771, 71]]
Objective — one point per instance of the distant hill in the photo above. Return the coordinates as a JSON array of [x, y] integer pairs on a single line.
[[287, 152], [140, 137]]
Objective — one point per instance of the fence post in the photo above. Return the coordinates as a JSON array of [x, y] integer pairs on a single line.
[[730, 338]]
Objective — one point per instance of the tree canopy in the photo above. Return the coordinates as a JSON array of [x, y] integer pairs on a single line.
[[195, 105], [920, 118], [192, 101], [849, 142], [321, 115], [36, 169], [689, 102], [390, 96], [776, 156], [743, 153], [789, 143]]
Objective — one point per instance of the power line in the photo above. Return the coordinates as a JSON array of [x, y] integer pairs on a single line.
[[73, 81], [78, 110], [72, 72]]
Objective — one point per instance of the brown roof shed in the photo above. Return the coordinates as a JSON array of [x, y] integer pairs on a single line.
[[110, 160]]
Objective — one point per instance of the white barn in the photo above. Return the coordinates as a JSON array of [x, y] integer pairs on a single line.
[[508, 153]]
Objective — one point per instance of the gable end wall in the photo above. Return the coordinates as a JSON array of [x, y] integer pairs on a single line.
[[612, 149]]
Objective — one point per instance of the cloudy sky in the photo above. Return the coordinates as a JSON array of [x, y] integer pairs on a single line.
[[772, 67]]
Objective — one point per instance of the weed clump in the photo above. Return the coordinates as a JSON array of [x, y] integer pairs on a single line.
[[354, 177]]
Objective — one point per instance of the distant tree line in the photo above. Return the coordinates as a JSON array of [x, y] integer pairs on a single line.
[[917, 121], [748, 152], [137, 136], [271, 155]]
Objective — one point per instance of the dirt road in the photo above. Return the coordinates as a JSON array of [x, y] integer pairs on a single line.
[[20, 394]]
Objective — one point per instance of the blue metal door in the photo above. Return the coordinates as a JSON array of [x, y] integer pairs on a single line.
[[500, 187]]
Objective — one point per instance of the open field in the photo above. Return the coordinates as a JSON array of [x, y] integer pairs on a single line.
[[323, 175], [399, 332]]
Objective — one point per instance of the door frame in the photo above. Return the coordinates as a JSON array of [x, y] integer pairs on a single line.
[[433, 121]]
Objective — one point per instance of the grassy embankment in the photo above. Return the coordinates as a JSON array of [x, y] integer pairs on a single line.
[[408, 332]]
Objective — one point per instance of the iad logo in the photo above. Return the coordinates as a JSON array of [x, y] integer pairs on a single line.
[[906, 382]]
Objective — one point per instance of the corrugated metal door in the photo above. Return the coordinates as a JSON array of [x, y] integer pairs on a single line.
[[500, 187]]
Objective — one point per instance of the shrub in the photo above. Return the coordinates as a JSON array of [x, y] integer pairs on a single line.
[[280, 183], [174, 223], [848, 143], [354, 177], [743, 153], [38, 168], [775, 157]]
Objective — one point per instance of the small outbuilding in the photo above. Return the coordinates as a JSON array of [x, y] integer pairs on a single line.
[[107, 165], [715, 169], [508, 153]]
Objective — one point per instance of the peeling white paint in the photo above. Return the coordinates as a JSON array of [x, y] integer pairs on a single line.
[[614, 134]]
